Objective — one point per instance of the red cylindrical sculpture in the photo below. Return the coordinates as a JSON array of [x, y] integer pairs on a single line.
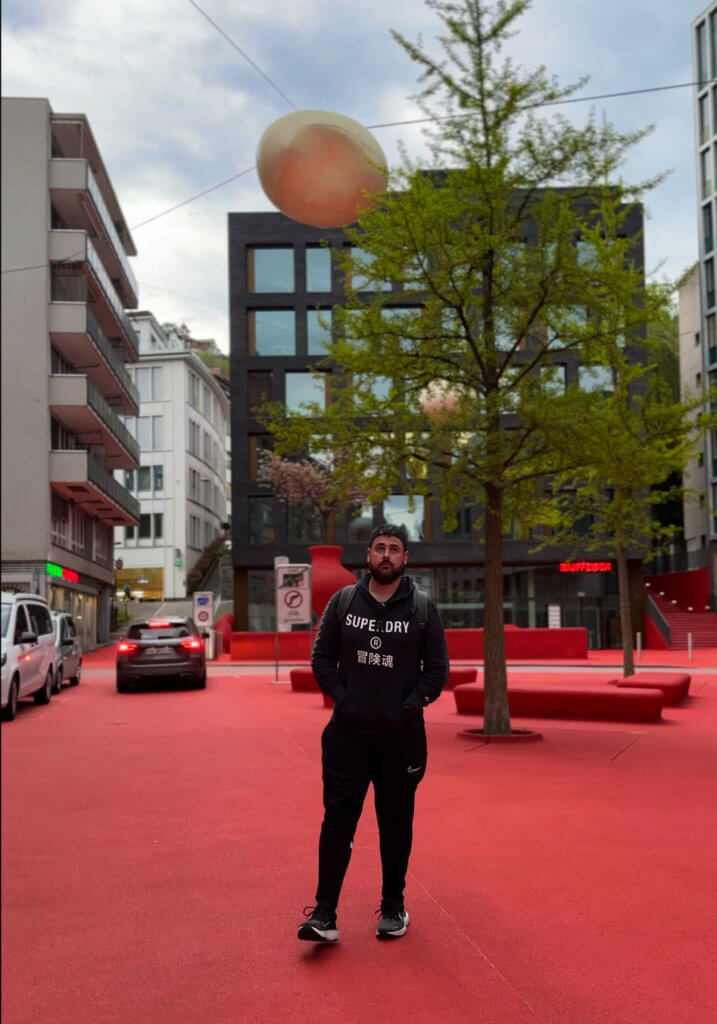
[[327, 574]]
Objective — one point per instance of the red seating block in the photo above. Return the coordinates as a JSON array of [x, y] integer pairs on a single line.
[[613, 705], [675, 687], [302, 680]]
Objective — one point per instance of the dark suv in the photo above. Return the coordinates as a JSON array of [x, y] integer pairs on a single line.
[[161, 649]]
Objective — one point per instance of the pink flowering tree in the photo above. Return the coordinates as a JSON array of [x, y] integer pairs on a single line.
[[312, 484]]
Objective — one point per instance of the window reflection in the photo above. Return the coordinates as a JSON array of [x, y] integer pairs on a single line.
[[272, 332], [270, 270], [397, 512], [318, 337], [302, 388], [318, 269]]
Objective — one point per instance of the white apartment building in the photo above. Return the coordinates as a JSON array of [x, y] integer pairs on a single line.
[[66, 339], [704, 63], [180, 483], [696, 514]]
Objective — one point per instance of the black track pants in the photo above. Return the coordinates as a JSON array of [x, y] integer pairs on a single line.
[[395, 762]]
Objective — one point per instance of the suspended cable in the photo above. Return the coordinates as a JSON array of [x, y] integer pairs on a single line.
[[191, 199], [546, 103], [387, 124], [239, 50]]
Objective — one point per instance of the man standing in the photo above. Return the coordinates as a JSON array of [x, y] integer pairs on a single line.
[[382, 657]]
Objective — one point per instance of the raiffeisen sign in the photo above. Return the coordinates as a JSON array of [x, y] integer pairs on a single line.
[[586, 566]]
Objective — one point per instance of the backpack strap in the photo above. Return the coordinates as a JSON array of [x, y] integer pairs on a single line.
[[420, 606], [346, 596]]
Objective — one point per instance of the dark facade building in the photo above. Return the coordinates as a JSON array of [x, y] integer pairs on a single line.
[[283, 283]]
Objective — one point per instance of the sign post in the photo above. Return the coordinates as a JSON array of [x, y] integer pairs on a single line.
[[203, 611], [292, 587]]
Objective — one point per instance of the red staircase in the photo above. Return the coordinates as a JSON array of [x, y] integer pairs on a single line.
[[702, 625]]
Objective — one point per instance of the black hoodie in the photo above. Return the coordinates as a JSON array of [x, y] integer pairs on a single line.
[[379, 661]]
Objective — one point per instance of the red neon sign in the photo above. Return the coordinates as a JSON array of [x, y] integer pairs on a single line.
[[586, 566]]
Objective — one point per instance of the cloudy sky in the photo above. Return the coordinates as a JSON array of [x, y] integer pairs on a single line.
[[176, 110]]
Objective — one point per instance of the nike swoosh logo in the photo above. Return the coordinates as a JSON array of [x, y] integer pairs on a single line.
[[411, 770]]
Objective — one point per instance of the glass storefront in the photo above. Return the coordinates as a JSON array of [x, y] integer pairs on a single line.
[[584, 599], [83, 609]]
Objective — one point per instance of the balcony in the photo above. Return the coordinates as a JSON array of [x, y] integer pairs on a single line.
[[79, 406], [78, 200], [80, 340], [81, 479], [74, 247]]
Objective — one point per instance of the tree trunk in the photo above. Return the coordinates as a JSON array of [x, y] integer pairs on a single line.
[[496, 719], [623, 582]]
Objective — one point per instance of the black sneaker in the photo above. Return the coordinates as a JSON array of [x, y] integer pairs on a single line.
[[320, 926], [393, 923]]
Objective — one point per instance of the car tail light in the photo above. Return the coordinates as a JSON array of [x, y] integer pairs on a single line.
[[192, 645], [153, 624], [126, 647]]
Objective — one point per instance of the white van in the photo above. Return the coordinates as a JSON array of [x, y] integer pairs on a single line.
[[28, 651]]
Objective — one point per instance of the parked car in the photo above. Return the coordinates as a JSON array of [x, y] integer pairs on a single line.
[[28, 651], [161, 649], [68, 657]]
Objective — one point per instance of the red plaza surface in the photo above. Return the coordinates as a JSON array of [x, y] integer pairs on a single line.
[[158, 849]]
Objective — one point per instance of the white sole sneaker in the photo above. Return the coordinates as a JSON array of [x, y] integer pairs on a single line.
[[311, 933], [394, 933]]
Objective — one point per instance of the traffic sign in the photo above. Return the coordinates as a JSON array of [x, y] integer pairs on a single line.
[[203, 608], [293, 595]]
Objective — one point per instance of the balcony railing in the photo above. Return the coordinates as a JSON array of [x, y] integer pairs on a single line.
[[98, 336], [111, 294], [111, 230], [71, 245], [107, 415], [98, 475]]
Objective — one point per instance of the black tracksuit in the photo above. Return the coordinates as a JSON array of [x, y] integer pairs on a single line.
[[381, 669]]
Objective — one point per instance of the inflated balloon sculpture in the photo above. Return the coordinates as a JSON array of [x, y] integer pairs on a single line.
[[315, 166]]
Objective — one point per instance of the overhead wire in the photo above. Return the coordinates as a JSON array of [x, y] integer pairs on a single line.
[[387, 124], [239, 50]]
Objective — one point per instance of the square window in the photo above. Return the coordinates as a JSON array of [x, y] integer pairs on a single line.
[[272, 332], [318, 269], [302, 388], [396, 511], [260, 383], [270, 270], [158, 524], [158, 478], [145, 526], [318, 336], [596, 378], [261, 521], [362, 281], [144, 478]]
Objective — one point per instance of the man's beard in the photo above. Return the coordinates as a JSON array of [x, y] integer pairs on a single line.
[[385, 573]]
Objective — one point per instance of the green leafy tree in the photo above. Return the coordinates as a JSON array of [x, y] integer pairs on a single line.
[[449, 384]]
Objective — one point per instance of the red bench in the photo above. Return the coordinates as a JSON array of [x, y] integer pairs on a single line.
[[612, 704], [302, 679], [675, 687]]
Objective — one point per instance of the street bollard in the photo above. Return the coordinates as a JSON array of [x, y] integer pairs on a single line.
[[639, 646], [689, 646]]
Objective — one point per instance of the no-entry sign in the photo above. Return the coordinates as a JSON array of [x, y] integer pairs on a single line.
[[293, 595]]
